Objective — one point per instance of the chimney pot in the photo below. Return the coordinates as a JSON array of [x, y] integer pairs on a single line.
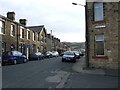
[[23, 21], [11, 15]]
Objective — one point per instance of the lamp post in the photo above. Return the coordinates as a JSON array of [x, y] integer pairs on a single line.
[[51, 40], [86, 35], [0, 61], [0, 49]]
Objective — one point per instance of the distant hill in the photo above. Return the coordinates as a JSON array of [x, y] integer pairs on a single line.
[[76, 45]]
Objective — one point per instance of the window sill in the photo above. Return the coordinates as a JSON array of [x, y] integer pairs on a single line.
[[100, 57], [28, 39], [2, 33], [101, 21], [12, 36], [22, 38]]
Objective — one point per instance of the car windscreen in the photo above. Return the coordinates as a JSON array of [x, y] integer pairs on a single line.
[[16, 53], [37, 53], [68, 53], [77, 53]]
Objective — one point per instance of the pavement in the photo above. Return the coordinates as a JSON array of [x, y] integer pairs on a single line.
[[79, 66]]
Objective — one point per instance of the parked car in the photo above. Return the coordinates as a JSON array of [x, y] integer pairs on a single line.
[[55, 54], [36, 56], [48, 54], [81, 53], [77, 53], [61, 54], [69, 56], [13, 57]]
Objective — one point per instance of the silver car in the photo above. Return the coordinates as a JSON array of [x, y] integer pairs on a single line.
[[69, 56]]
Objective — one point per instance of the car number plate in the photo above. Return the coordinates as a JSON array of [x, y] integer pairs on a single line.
[[67, 58], [5, 60]]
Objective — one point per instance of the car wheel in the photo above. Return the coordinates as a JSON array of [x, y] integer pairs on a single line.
[[15, 62], [62, 60], [3, 64], [25, 60], [39, 58], [74, 61]]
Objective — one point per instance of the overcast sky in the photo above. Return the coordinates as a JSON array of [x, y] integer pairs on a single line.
[[66, 21]]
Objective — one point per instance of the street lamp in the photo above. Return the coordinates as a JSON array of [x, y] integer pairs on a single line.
[[78, 4], [87, 34]]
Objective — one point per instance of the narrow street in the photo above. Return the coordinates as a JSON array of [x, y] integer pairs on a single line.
[[52, 73], [46, 73]]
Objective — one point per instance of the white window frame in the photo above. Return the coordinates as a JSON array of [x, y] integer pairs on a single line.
[[1, 26], [100, 38], [37, 36], [21, 28], [98, 11], [42, 48], [12, 30], [28, 31], [33, 36]]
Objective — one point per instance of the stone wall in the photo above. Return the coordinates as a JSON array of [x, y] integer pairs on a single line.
[[110, 31]]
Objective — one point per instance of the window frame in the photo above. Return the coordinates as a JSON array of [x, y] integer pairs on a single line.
[[98, 11], [22, 32], [33, 36], [2, 27], [96, 47], [38, 36], [42, 38], [99, 36], [28, 34], [12, 30]]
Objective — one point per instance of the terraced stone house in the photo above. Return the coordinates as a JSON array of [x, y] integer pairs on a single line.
[[17, 36], [103, 21], [26, 39]]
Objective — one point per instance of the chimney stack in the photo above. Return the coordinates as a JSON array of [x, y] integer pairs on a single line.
[[23, 21], [11, 15]]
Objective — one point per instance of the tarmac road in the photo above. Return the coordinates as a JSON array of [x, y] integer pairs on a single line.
[[53, 73]]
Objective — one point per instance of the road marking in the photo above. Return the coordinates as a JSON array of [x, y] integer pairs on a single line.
[[60, 77], [64, 79]]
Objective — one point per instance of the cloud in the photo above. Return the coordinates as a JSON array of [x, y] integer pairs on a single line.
[[76, 37], [57, 15]]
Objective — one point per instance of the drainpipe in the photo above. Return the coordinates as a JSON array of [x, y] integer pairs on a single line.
[[87, 37], [0, 61], [0, 49], [17, 37]]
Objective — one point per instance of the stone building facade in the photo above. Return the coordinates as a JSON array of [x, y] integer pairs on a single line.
[[26, 39], [39, 38], [103, 21], [12, 39], [49, 42], [17, 36]]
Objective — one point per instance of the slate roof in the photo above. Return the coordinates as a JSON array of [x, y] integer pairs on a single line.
[[36, 28], [3, 17]]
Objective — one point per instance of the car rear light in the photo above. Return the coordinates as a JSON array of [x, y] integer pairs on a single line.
[[9, 56]]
